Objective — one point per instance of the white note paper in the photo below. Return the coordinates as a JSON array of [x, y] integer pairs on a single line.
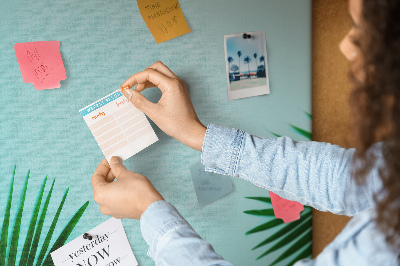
[[118, 126], [108, 247]]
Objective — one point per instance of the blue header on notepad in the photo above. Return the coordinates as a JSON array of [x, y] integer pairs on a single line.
[[100, 103]]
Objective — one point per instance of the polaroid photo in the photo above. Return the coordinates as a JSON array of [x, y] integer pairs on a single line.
[[246, 64]]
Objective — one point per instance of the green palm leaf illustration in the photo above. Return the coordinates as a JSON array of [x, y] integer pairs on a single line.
[[304, 240], [307, 252], [265, 226], [66, 232], [28, 240], [302, 132], [289, 238], [263, 199], [276, 135], [4, 230], [17, 225], [284, 230], [51, 230], [32, 252], [297, 234], [35, 230], [264, 212]]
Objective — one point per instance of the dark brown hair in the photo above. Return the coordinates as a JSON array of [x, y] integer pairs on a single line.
[[375, 101]]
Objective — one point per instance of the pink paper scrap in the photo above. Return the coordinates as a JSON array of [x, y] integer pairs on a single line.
[[284, 209], [41, 64]]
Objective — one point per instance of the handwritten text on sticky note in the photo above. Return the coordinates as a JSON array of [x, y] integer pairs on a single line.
[[209, 186], [284, 209], [41, 64], [108, 246], [164, 18]]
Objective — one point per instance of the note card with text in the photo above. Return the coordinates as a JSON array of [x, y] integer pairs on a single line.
[[41, 64], [209, 186], [108, 246], [164, 18], [118, 126]]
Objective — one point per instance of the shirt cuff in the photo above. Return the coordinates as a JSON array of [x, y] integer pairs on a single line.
[[158, 219], [222, 148]]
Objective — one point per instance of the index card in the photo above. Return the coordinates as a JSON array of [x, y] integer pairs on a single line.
[[164, 18], [108, 246], [118, 126], [284, 209], [41, 64], [209, 186]]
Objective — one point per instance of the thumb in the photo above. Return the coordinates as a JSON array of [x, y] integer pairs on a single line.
[[138, 100], [117, 168]]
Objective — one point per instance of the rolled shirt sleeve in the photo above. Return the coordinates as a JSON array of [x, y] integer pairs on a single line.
[[171, 239], [316, 174]]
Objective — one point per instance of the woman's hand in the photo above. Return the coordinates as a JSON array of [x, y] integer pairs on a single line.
[[174, 113], [127, 197]]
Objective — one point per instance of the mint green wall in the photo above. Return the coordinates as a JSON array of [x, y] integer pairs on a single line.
[[104, 42]]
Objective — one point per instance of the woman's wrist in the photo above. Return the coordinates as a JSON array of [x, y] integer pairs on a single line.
[[199, 137]]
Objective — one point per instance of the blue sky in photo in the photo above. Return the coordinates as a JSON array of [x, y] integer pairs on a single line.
[[248, 47]]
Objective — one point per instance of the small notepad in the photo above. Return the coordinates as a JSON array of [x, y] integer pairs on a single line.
[[118, 126], [108, 246]]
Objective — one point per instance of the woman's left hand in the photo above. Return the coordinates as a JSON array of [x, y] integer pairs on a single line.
[[127, 197]]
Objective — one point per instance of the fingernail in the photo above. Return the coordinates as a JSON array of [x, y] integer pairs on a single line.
[[127, 93], [115, 160], [124, 88]]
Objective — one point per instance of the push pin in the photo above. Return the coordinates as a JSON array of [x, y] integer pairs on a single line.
[[246, 36], [87, 236]]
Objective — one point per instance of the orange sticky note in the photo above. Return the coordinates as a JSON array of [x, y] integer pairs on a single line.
[[284, 209], [41, 64], [164, 18]]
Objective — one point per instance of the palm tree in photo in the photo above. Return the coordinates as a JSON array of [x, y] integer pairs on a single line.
[[247, 60], [255, 60], [262, 59], [230, 59], [239, 55]]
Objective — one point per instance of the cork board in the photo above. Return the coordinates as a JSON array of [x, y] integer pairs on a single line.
[[331, 89]]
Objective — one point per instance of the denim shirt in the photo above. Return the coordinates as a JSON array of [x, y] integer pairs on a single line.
[[312, 173]]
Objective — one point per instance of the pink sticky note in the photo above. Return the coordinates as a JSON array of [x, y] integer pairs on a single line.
[[284, 209], [41, 64]]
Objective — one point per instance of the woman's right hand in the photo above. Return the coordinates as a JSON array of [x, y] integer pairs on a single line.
[[174, 112]]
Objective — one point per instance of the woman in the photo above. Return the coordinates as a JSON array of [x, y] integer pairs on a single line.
[[363, 183]]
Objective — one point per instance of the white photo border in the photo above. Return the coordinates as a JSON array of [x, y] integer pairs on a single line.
[[248, 92]]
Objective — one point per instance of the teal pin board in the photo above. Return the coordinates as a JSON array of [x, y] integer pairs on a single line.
[[103, 43]]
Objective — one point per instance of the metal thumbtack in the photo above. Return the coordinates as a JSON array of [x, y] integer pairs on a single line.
[[87, 236], [246, 36]]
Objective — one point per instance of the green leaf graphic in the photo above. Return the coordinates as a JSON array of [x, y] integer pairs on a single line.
[[38, 231], [6, 221], [295, 247], [289, 238], [263, 199], [264, 212], [306, 253], [66, 232], [28, 240], [265, 226], [302, 132], [283, 231], [17, 225], [51, 230]]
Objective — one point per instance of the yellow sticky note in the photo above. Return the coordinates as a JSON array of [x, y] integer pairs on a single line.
[[164, 18]]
